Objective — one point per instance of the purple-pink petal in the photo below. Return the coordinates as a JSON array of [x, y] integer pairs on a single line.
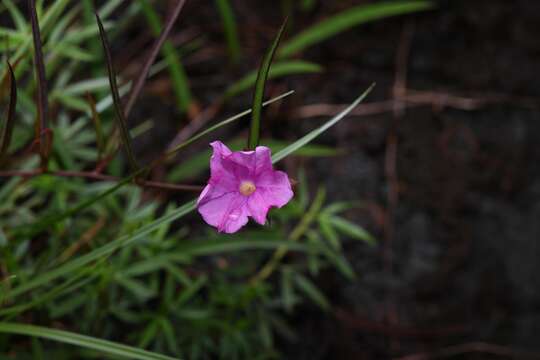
[[258, 207], [225, 210], [275, 188], [226, 203]]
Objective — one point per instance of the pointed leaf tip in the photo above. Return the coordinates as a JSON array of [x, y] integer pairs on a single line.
[[7, 129], [258, 95], [121, 119]]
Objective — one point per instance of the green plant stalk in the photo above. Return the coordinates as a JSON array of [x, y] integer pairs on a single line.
[[230, 29], [294, 236], [178, 74], [258, 95], [96, 120], [7, 128]]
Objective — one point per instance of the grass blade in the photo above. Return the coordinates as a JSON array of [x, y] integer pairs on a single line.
[[16, 15], [124, 131], [223, 123], [279, 69], [313, 134], [178, 74], [311, 291], [101, 252], [42, 99], [258, 95], [7, 129], [104, 346], [49, 17], [348, 19], [352, 230], [96, 120], [234, 244], [229, 27], [138, 85]]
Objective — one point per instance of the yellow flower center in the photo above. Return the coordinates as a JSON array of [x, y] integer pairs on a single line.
[[247, 187]]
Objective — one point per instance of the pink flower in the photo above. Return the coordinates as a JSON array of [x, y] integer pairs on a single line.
[[242, 184]]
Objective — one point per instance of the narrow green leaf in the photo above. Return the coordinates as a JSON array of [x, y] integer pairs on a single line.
[[74, 282], [103, 346], [191, 290], [3, 240], [223, 123], [340, 262], [278, 69], [96, 120], [42, 98], [84, 86], [231, 244], [7, 128], [348, 19], [122, 124], [288, 297], [16, 15], [230, 29], [313, 134], [50, 16], [149, 334], [348, 228], [170, 335], [137, 288], [258, 95], [328, 232], [74, 53], [311, 291]]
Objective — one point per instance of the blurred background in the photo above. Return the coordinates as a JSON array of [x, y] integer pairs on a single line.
[[439, 161]]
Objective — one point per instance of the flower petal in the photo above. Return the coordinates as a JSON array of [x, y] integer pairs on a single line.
[[274, 188], [220, 151], [223, 209], [255, 162], [263, 160], [258, 207], [221, 174]]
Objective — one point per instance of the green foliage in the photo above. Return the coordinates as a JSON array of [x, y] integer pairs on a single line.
[[113, 262], [230, 29], [176, 69], [278, 70], [103, 346], [258, 94], [348, 19]]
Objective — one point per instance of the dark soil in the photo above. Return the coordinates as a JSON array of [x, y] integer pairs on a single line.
[[458, 260], [464, 250]]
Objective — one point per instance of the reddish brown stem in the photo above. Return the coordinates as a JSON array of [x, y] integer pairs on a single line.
[[99, 177]]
